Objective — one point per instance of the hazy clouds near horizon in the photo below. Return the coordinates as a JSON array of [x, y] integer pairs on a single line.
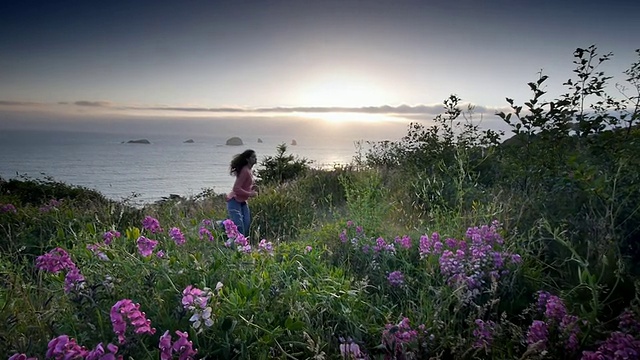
[[250, 126]]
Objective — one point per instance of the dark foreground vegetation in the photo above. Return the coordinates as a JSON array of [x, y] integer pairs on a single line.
[[447, 244]]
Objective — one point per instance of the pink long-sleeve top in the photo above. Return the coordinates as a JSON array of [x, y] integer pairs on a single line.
[[243, 186]]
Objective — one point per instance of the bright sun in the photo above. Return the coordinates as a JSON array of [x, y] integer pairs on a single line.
[[339, 90]]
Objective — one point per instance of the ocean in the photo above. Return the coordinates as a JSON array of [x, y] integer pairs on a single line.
[[148, 172]]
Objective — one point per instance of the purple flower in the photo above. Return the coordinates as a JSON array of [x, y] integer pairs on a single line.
[[265, 246], [350, 350], [151, 224], [183, 347], [165, 346], [628, 322], [538, 334], [205, 231], [124, 310], [619, 346], [307, 249], [63, 347], [109, 236], [230, 228], [552, 306], [8, 208], [396, 278], [95, 248], [177, 236], [99, 352], [55, 261], [483, 334], [404, 242], [21, 357], [72, 279], [146, 246]]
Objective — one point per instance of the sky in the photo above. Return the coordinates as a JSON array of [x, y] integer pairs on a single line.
[[354, 68]]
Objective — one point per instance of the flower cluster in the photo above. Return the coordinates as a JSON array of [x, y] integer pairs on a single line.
[[95, 248], [230, 228], [483, 334], [177, 236], [619, 346], [52, 204], [151, 224], [64, 347], [628, 322], [236, 238], [204, 231], [395, 336], [404, 242], [382, 246], [396, 278], [472, 261], [538, 334], [350, 350], [197, 301], [57, 260], [7, 208], [430, 245], [21, 357], [182, 346], [265, 246], [124, 310], [146, 246], [109, 236], [99, 353], [556, 321]]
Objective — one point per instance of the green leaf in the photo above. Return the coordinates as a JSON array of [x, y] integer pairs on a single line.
[[293, 325]]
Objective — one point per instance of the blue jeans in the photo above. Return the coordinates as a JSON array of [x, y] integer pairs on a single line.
[[240, 215]]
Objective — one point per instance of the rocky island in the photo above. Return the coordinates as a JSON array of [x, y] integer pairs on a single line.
[[234, 141], [139, 141]]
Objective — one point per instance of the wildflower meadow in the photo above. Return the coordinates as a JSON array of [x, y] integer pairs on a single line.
[[447, 244]]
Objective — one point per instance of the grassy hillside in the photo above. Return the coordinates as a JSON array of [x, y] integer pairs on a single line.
[[446, 244]]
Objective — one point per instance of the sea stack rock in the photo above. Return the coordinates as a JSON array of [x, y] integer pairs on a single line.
[[294, 142], [234, 141], [259, 140], [139, 141], [190, 141]]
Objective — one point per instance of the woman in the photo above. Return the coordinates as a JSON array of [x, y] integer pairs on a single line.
[[243, 189]]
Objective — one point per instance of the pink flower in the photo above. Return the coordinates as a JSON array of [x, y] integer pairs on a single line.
[[124, 310], [265, 246], [63, 347], [177, 236], [21, 357], [54, 261], [8, 208], [183, 347], [109, 236], [146, 246], [165, 346], [72, 279], [151, 224]]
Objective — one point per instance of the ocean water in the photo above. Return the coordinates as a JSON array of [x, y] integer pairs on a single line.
[[119, 170]]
